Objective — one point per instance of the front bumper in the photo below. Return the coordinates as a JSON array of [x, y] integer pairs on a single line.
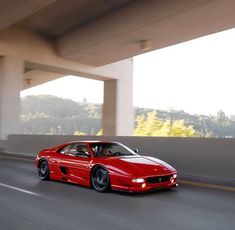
[[128, 186]]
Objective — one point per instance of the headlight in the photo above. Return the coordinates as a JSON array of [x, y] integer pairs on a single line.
[[175, 176], [138, 180]]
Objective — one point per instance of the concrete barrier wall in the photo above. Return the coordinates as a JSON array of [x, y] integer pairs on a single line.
[[1, 144], [212, 158]]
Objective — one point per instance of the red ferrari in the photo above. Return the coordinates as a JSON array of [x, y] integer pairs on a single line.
[[104, 166]]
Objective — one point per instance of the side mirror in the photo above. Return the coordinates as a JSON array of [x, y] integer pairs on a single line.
[[136, 150]]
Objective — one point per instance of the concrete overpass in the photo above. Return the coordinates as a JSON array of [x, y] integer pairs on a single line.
[[41, 40]]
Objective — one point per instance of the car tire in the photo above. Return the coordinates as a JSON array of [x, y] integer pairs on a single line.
[[100, 179], [43, 170]]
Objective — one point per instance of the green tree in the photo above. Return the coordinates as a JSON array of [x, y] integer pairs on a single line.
[[154, 126], [165, 130], [100, 133], [140, 125], [79, 133], [179, 129]]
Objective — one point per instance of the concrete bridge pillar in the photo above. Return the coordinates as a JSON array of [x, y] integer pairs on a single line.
[[11, 83], [118, 108]]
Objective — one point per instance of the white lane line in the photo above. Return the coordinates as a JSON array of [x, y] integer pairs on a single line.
[[19, 189], [110, 216], [16, 158]]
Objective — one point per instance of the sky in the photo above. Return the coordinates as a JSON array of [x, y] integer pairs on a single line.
[[197, 76], [77, 89]]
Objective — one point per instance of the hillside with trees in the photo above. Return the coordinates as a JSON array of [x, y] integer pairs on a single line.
[[151, 125], [53, 115]]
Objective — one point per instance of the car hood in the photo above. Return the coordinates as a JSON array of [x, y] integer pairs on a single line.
[[142, 165]]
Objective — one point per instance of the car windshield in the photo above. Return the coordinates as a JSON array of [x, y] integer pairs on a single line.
[[110, 149]]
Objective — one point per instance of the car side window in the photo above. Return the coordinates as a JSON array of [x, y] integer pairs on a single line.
[[65, 150], [101, 150], [79, 150]]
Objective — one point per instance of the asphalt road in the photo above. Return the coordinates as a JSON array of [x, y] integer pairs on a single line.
[[28, 203]]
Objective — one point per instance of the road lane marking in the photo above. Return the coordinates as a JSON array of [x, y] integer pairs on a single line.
[[110, 216], [16, 158], [207, 185], [19, 189]]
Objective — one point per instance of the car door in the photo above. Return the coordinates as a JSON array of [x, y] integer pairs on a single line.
[[75, 164], [55, 162]]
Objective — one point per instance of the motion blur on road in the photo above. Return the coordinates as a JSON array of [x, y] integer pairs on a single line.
[[28, 203]]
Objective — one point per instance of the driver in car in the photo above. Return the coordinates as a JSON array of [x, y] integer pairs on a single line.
[[107, 152]]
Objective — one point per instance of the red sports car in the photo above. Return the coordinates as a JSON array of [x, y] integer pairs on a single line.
[[104, 165]]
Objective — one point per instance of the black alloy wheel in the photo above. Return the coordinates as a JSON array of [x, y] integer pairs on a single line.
[[100, 180], [43, 171]]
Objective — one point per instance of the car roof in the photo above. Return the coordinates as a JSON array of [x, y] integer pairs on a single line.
[[92, 141]]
